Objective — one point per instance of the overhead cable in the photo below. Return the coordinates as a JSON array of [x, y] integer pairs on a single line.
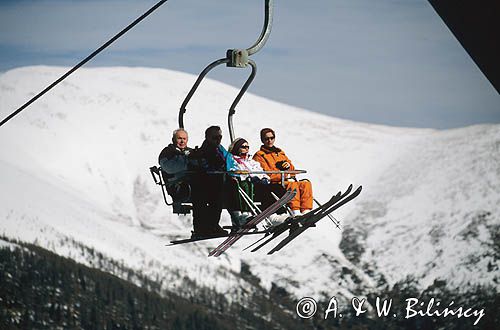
[[84, 61]]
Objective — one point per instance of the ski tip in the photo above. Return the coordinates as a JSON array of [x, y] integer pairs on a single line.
[[172, 243]]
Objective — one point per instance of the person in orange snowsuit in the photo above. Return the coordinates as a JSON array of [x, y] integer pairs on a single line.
[[272, 158]]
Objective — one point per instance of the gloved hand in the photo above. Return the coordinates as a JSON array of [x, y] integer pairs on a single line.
[[265, 181], [258, 180], [254, 179], [283, 165]]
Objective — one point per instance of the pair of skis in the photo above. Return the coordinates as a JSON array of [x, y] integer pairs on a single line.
[[296, 225], [287, 197], [310, 221], [301, 223]]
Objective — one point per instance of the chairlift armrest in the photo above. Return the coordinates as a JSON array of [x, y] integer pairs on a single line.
[[155, 172]]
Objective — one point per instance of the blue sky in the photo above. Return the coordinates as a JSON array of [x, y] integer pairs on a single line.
[[390, 62]]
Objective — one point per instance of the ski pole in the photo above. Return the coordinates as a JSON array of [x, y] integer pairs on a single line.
[[336, 222]]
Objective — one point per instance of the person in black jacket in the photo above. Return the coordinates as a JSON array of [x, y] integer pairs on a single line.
[[209, 188], [173, 159], [174, 163]]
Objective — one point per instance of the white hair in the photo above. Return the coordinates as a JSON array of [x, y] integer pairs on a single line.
[[174, 133]]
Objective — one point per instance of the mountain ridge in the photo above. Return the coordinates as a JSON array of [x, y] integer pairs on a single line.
[[86, 147]]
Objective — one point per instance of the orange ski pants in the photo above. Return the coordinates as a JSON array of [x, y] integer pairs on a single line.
[[303, 200]]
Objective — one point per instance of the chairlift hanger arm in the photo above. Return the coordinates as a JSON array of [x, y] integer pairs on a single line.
[[235, 58], [266, 30], [232, 109], [200, 78], [197, 83], [240, 57]]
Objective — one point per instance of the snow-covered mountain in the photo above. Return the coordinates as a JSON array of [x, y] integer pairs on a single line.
[[75, 175]]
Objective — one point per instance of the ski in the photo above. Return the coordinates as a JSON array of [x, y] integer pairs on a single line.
[[281, 228], [197, 239], [287, 197], [307, 222]]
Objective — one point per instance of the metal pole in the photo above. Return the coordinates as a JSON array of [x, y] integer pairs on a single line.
[[266, 30], [232, 109], [195, 86]]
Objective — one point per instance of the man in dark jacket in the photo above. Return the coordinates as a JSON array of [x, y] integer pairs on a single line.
[[174, 162], [208, 189], [173, 158]]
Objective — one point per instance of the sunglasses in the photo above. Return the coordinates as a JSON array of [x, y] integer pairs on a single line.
[[268, 138], [244, 147]]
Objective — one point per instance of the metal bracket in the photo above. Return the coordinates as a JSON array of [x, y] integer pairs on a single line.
[[238, 58]]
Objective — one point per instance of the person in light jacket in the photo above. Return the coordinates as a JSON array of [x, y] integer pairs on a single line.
[[250, 183]]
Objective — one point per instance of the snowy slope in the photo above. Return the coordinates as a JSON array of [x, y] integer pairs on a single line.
[[75, 172], [436, 213]]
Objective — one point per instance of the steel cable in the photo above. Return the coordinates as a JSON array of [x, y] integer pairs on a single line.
[[84, 61]]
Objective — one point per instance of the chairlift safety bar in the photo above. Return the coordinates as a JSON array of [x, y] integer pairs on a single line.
[[282, 173]]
